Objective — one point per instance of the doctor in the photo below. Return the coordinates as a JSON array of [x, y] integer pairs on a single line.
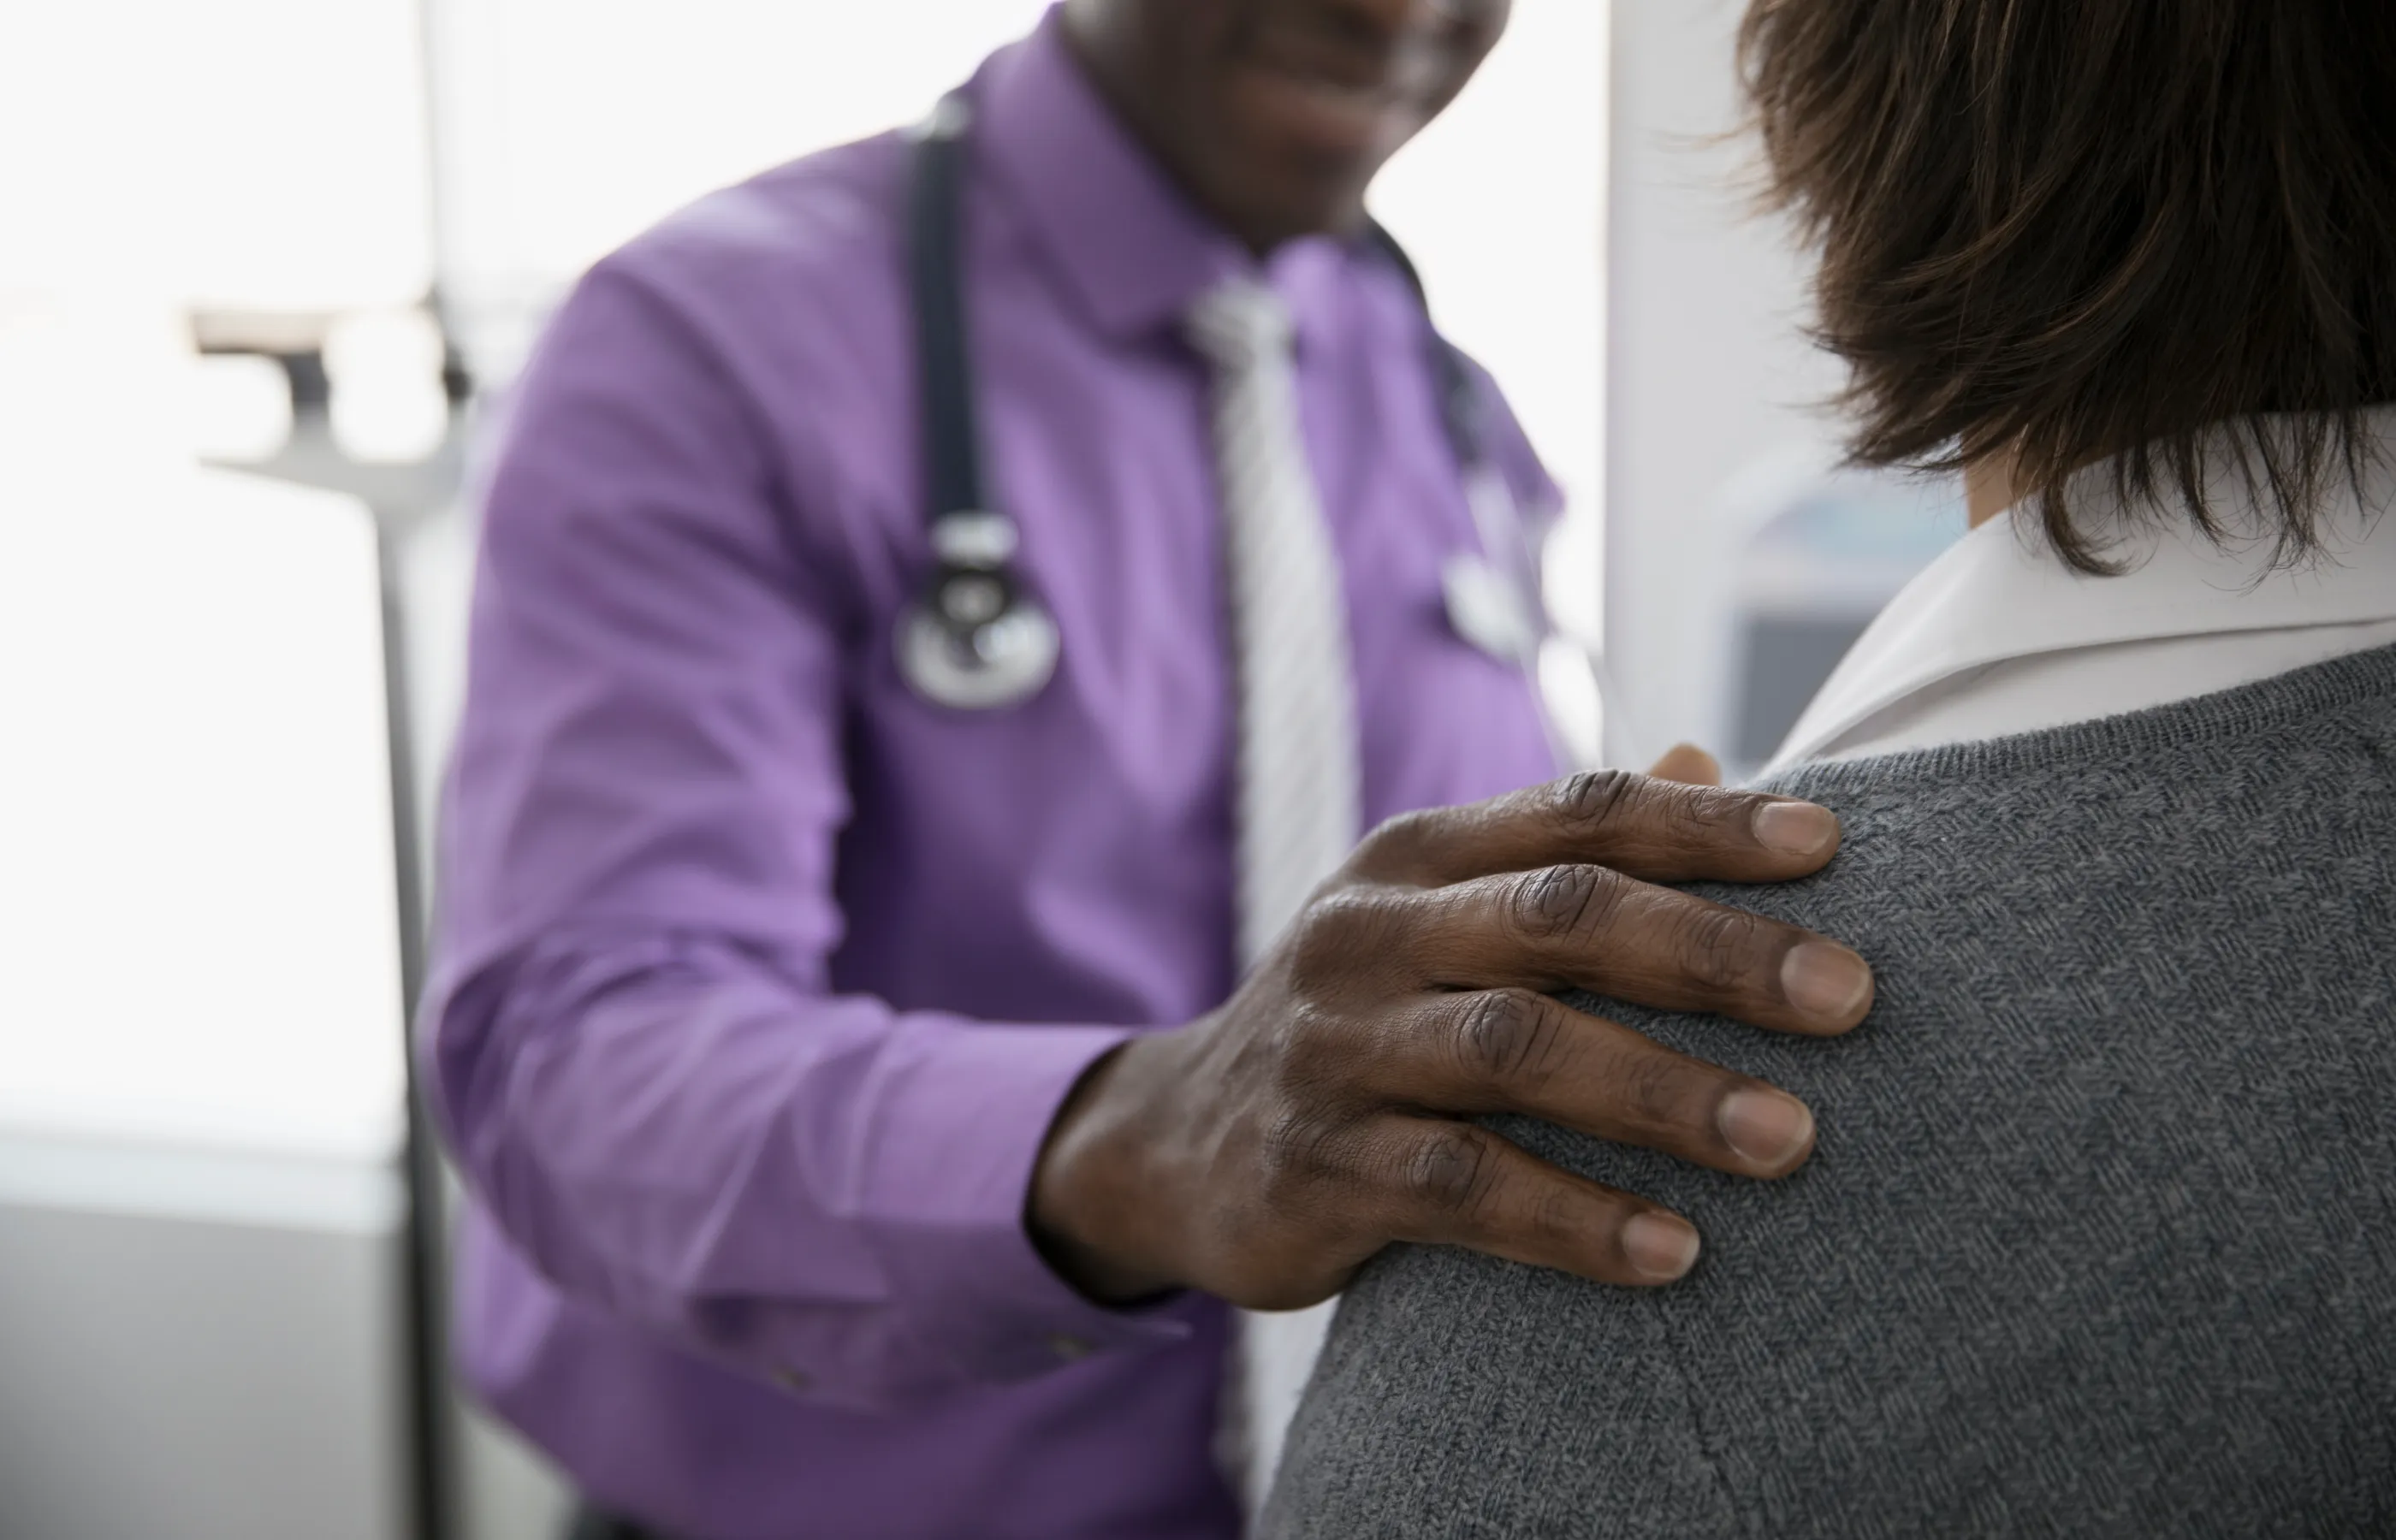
[[945, 605]]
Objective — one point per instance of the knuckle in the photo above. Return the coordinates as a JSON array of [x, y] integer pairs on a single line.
[[1506, 1035], [1298, 1040], [1697, 814], [1718, 949], [1594, 800], [1559, 1214], [1332, 933], [1321, 1059], [1566, 901], [1452, 1170], [1394, 838], [1298, 1152], [1650, 1090]]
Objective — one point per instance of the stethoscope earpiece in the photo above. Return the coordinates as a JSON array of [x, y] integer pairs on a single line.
[[1488, 609]]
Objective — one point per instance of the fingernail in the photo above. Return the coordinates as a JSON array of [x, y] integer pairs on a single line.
[[1766, 1128], [1659, 1245], [1795, 828], [1828, 982]]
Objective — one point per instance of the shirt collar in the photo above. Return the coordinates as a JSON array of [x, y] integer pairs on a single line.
[[1131, 246], [1997, 594]]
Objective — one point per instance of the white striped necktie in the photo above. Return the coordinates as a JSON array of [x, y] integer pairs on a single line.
[[1296, 786]]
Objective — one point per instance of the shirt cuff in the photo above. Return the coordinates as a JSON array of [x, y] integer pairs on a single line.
[[961, 1125]]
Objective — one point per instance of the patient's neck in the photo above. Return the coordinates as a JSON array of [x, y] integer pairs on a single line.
[[1988, 489]]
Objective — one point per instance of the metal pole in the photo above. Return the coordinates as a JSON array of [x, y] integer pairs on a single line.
[[437, 1506], [432, 1431]]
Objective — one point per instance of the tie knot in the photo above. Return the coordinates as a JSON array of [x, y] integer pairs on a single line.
[[1239, 324]]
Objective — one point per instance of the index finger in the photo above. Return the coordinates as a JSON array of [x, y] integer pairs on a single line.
[[1656, 830]]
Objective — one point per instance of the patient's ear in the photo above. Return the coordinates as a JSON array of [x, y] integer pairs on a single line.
[[1689, 764]]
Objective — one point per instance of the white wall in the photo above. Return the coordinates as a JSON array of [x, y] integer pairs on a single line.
[[198, 941], [1709, 378], [243, 153], [567, 126]]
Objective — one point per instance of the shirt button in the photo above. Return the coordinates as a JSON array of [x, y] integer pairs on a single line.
[[792, 1381], [1068, 1348]]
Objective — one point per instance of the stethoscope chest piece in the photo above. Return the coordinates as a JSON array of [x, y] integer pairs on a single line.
[[977, 641]]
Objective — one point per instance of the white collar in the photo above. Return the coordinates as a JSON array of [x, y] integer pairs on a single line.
[[1997, 594]]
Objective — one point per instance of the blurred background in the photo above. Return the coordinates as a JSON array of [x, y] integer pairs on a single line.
[[266, 264]]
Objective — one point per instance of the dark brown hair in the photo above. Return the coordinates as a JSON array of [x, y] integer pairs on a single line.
[[2063, 231]]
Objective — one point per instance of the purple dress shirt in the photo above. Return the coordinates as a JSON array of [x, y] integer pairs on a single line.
[[759, 977]]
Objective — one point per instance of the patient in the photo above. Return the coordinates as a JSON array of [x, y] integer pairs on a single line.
[[2100, 1238]]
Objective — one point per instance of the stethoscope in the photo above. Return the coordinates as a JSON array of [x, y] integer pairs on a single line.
[[976, 637]]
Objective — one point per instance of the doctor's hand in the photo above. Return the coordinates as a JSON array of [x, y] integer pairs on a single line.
[[1265, 1151]]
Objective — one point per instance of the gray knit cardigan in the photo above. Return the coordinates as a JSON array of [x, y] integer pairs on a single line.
[[2100, 1236]]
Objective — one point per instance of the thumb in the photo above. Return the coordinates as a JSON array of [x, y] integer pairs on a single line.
[[1689, 764]]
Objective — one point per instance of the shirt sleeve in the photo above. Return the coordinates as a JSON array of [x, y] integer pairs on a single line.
[[632, 1038]]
